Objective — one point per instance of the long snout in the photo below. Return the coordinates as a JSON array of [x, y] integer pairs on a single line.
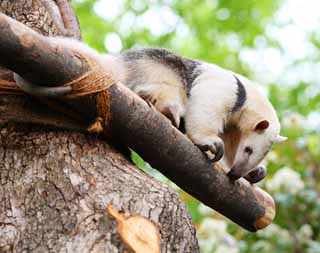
[[239, 169], [234, 174]]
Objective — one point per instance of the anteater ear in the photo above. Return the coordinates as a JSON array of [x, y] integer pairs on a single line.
[[281, 139], [261, 125]]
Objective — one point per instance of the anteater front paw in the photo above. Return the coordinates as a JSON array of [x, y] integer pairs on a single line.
[[216, 147]]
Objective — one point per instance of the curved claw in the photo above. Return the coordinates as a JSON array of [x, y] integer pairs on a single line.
[[219, 152], [256, 175], [172, 113], [216, 148]]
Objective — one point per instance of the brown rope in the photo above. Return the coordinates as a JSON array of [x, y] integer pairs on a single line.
[[95, 80], [9, 88]]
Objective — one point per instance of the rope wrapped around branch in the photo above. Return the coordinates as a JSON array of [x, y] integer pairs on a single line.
[[95, 81]]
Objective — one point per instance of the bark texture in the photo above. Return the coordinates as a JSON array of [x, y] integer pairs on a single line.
[[43, 16], [55, 186]]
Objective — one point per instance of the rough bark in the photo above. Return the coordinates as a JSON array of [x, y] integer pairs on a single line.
[[141, 128], [55, 186], [48, 17]]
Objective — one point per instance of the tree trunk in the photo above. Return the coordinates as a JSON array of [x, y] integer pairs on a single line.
[[55, 186]]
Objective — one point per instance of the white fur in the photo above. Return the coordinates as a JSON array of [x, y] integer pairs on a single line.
[[210, 103], [163, 84]]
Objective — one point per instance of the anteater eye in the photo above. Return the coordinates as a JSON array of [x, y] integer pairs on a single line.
[[248, 150]]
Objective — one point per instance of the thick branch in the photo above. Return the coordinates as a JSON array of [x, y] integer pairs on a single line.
[[21, 45], [140, 127], [69, 18]]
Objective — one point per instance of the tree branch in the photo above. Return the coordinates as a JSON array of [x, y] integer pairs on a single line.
[[136, 124], [70, 21]]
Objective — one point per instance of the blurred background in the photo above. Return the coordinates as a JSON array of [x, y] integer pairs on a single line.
[[276, 43]]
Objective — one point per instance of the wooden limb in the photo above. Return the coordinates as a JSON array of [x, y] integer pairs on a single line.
[[48, 17], [136, 124], [71, 23], [21, 45]]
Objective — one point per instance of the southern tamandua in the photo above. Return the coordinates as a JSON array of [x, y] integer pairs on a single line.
[[224, 113]]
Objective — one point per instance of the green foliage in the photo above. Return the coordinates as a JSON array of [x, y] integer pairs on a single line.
[[220, 31]]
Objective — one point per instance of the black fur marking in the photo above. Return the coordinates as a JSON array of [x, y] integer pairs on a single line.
[[182, 126], [186, 68], [241, 96]]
